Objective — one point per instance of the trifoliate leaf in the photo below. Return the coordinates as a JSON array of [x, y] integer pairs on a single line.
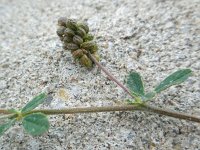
[[4, 127], [173, 79], [36, 124], [135, 84], [34, 103]]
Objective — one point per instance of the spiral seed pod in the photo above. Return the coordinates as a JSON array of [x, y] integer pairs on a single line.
[[88, 45], [71, 46], [96, 56], [85, 61], [77, 40], [93, 49], [78, 53], [69, 32], [81, 32], [64, 47], [71, 24], [60, 31], [88, 37], [68, 39], [84, 51], [61, 38], [84, 26], [62, 21]]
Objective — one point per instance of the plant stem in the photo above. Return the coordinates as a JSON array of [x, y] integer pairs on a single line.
[[89, 110], [110, 75], [171, 113], [4, 111], [147, 108]]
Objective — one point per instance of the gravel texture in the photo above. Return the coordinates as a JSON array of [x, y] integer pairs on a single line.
[[154, 37]]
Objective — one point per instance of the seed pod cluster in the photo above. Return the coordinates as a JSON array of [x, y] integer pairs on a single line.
[[76, 38]]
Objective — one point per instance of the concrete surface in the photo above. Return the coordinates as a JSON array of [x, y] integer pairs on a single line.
[[154, 37]]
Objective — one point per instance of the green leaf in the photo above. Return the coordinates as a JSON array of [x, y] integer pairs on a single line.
[[4, 127], [36, 123], [135, 84], [34, 103], [149, 96], [175, 78]]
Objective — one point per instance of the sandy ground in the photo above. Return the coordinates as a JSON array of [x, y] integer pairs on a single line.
[[154, 37]]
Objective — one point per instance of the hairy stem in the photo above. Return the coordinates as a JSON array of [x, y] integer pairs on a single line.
[[171, 113], [89, 110], [110, 75], [156, 110]]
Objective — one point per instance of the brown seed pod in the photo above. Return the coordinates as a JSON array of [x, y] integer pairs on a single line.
[[77, 53], [77, 40], [60, 31], [84, 26], [71, 46], [88, 37], [96, 56], [81, 32], [89, 45], [94, 49], [69, 32], [62, 21], [67, 39], [64, 47], [84, 51], [85, 61], [71, 24], [61, 38]]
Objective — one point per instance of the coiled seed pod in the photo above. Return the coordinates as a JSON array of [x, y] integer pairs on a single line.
[[77, 40], [71, 46], [84, 26], [85, 61], [67, 39], [96, 56], [71, 24], [69, 32], [94, 48], [62, 21], [60, 31], [64, 47], [81, 32], [88, 37], [61, 38], [88, 45], [78, 53], [84, 51]]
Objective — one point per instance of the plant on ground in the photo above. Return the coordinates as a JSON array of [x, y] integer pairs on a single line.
[[76, 38]]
